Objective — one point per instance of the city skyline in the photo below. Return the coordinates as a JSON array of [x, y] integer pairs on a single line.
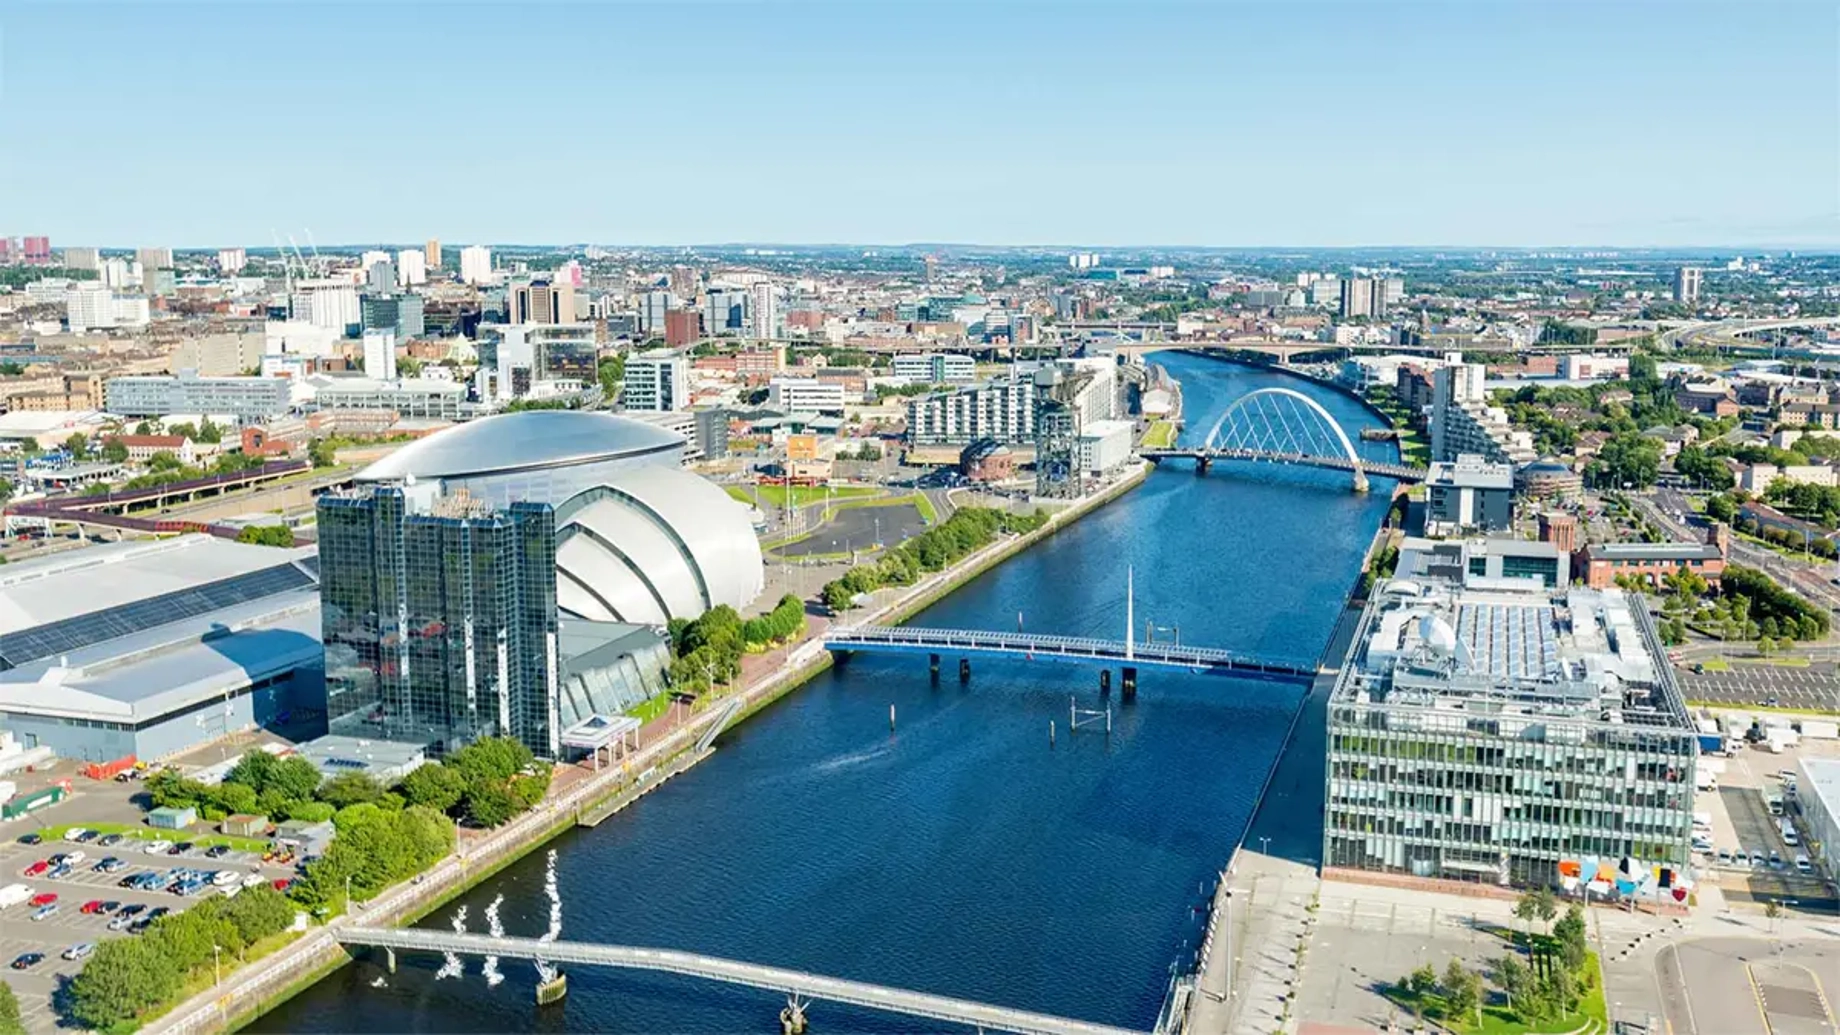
[[1248, 125]]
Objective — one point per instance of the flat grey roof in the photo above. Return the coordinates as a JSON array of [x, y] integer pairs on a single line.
[[106, 575]]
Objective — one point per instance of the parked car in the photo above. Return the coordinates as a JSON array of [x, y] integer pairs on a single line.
[[82, 837], [181, 848], [1802, 865], [59, 872], [31, 839], [217, 851], [28, 960], [111, 865], [45, 912], [157, 847], [72, 858], [35, 869], [44, 898], [108, 841], [75, 834], [121, 922], [132, 909], [94, 905], [80, 950]]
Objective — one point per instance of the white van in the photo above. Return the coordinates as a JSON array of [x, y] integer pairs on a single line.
[[1788, 832]]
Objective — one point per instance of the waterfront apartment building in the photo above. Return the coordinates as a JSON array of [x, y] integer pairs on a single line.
[[656, 382], [1496, 731], [935, 368], [1468, 494], [249, 399], [1462, 421], [805, 395], [439, 619], [1002, 411], [476, 265]]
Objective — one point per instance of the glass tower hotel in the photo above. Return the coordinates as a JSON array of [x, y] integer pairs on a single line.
[[440, 625], [1494, 730]]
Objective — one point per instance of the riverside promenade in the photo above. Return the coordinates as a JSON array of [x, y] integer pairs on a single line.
[[255, 987]]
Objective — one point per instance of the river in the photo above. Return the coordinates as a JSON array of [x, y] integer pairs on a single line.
[[961, 853]]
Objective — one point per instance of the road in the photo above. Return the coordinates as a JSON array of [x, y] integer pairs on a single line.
[[1811, 581]]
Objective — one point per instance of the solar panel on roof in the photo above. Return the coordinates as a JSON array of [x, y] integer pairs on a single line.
[[79, 631]]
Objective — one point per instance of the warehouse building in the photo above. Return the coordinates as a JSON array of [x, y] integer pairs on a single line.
[[153, 648]]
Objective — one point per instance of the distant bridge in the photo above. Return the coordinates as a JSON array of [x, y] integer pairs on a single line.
[[797, 985], [1285, 426]]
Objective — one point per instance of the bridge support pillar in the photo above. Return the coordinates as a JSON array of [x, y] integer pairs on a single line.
[[1202, 463], [1127, 683], [964, 670], [1360, 481], [1105, 681], [553, 990], [389, 960], [933, 666]]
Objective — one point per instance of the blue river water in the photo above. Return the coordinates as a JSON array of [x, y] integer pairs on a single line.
[[961, 853]]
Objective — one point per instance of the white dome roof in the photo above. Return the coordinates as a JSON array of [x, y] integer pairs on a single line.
[[522, 441]]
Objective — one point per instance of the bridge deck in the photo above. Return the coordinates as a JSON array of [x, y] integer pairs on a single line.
[[715, 968], [1401, 472], [911, 639]]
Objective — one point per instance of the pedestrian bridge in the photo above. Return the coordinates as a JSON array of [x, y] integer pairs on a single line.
[[793, 983], [908, 639]]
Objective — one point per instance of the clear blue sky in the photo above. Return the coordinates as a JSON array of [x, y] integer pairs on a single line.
[[1482, 122]]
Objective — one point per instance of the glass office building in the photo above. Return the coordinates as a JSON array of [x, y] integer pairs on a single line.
[[439, 619], [1492, 730]]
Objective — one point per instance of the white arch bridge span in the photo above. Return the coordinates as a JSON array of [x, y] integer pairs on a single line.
[[1285, 426]]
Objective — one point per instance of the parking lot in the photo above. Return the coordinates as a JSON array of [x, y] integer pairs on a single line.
[[1816, 686], [70, 926], [1742, 823]]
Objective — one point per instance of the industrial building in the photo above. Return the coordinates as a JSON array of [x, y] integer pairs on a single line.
[[1817, 792], [153, 648], [1498, 731]]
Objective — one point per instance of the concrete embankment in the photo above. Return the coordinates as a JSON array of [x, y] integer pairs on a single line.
[[260, 987]]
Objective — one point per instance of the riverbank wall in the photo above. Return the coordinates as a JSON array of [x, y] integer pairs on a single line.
[[266, 984]]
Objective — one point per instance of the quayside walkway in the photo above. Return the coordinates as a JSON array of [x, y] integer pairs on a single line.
[[793, 983]]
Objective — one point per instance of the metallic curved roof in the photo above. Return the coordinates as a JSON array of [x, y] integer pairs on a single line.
[[522, 441], [654, 543]]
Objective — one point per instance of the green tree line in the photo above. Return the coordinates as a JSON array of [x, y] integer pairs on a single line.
[[966, 531]]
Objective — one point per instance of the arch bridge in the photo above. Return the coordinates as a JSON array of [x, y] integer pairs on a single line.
[[1283, 425]]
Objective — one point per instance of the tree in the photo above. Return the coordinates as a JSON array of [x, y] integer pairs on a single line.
[[1721, 508], [10, 1023], [323, 453], [143, 428], [1512, 975], [1462, 990], [1570, 930], [489, 805], [435, 786], [115, 451], [347, 789], [266, 535], [77, 445], [124, 977], [1422, 981]]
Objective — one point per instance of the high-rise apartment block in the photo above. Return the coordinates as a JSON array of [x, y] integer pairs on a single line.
[[653, 305], [380, 354], [540, 301], [476, 264], [1357, 297], [439, 619], [656, 382], [411, 268], [90, 306], [682, 327], [805, 395], [1002, 411], [230, 261], [82, 259], [1686, 284], [765, 313], [724, 312], [36, 249], [935, 368], [1463, 422], [431, 253]]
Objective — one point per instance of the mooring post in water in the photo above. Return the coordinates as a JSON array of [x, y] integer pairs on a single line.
[[964, 670], [1105, 681], [1050, 732], [891, 716], [933, 666], [1127, 683]]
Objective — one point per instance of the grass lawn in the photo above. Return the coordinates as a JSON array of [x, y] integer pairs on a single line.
[[1715, 664], [1787, 661], [925, 507], [776, 495], [237, 844], [1162, 435], [1500, 1020], [651, 707]]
